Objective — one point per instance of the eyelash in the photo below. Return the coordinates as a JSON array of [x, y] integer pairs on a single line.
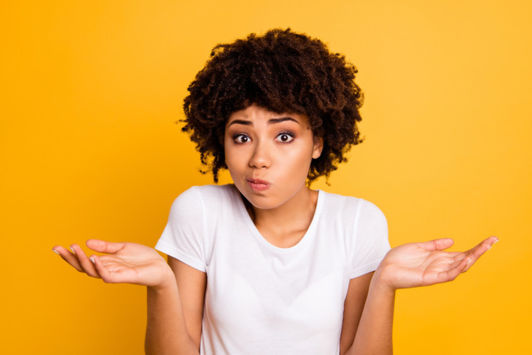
[[290, 134]]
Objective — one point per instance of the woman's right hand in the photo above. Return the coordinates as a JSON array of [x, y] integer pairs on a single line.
[[124, 262]]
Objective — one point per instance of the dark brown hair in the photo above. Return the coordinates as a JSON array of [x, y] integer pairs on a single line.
[[281, 71]]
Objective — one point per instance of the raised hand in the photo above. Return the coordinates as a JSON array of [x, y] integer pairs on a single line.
[[426, 263], [123, 263]]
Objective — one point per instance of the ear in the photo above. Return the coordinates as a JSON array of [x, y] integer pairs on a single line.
[[318, 147]]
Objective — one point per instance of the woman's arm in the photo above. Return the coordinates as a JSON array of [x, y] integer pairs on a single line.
[[133, 263], [374, 332], [353, 307], [175, 311], [405, 266], [166, 331]]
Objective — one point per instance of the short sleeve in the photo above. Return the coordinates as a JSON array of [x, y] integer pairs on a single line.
[[184, 235], [371, 239]]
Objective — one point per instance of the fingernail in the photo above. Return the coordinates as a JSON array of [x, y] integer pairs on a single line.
[[55, 251], [92, 259], [71, 248]]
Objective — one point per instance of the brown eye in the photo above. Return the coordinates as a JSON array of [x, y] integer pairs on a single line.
[[240, 138], [285, 137]]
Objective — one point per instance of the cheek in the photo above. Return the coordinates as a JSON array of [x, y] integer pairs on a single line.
[[227, 151], [234, 158], [297, 161]]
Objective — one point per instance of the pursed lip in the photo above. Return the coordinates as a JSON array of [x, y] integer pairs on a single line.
[[258, 181]]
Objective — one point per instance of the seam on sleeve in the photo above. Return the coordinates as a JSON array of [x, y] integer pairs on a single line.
[[203, 225], [361, 270], [357, 217], [178, 254]]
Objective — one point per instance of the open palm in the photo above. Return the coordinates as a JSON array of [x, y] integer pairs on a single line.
[[123, 262], [426, 263]]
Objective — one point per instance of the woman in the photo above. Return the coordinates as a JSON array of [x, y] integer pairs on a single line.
[[267, 265]]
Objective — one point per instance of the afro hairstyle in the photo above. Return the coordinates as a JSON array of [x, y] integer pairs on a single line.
[[283, 72]]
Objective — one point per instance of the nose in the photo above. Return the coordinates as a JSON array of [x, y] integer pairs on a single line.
[[260, 157]]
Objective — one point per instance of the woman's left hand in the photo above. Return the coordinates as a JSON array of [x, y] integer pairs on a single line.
[[425, 263]]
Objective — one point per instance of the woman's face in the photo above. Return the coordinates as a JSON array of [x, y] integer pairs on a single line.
[[268, 155]]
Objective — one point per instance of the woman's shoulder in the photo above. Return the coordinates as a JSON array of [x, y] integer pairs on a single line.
[[340, 200], [206, 194], [200, 202], [212, 190], [351, 205]]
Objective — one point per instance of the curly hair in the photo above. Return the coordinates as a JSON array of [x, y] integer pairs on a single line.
[[281, 71]]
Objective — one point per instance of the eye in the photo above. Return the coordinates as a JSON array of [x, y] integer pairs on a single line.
[[285, 137], [240, 138]]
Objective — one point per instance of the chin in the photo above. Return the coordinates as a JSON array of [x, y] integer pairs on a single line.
[[261, 201]]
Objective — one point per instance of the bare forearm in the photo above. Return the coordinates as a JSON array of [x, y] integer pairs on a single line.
[[166, 331], [374, 333]]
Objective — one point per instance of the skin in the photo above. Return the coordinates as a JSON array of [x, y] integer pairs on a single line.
[[259, 145]]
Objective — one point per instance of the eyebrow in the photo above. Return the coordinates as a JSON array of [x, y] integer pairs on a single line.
[[271, 120]]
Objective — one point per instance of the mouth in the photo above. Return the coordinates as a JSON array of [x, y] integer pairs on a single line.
[[258, 185]]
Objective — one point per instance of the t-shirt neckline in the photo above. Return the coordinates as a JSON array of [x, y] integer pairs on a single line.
[[309, 234]]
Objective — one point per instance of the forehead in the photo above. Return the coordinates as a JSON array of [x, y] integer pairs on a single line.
[[254, 113]]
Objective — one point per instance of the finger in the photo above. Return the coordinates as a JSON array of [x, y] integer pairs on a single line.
[[109, 272], [109, 264], [488, 242], [105, 259], [95, 259], [456, 261], [463, 259], [451, 273], [466, 260], [452, 254], [437, 244], [459, 257], [483, 245], [473, 258], [104, 246], [470, 261], [445, 257], [68, 257], [86, 264], [476, 252]]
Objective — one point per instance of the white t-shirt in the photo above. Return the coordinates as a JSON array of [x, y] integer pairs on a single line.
[[263, 299]]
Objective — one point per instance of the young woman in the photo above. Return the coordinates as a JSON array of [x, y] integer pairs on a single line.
[[267, 265]]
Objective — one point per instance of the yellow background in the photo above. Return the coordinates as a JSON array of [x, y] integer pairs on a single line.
[[89, 147]]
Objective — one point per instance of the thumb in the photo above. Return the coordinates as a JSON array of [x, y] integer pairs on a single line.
[[103, 246], [437, 244]]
